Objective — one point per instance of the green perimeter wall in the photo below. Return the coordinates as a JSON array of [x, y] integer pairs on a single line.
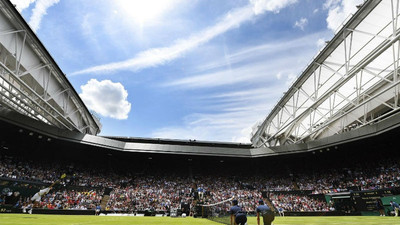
[[386, 200]]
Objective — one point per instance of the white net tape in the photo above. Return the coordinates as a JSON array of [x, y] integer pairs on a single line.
[[219, 203]]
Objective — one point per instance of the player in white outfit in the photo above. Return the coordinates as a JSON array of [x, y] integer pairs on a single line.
[[38, 196]]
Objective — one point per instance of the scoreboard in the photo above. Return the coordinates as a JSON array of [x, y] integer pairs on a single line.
[[366, 200]]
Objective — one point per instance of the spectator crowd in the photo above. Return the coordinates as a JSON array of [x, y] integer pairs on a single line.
[[298, 203], [160, 192]]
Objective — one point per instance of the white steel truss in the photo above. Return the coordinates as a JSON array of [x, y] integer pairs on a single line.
[[32, 83], [352, 82]]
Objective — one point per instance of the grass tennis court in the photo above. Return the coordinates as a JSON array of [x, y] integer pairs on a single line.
[[19, 219]]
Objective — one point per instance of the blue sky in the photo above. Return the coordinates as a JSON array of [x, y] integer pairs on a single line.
[[183, 69]]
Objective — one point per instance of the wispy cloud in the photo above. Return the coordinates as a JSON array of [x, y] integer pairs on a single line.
[[260, 52], [39, 11], [331, 3], [159, 56], [263, 73], [257, 64], [233, 112], [301, 23], [261, 6], [209, 126], [243, 95], [235, 116], [247, 73]]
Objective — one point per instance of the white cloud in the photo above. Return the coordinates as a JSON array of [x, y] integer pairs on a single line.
[[301, 23], [22, 4], [261, 6], [315, 11], [331, 3], [39, 11], [159, 56], [106, 98], [339, 11]]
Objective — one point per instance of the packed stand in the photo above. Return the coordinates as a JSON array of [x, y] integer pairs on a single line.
[[298, 203], [162, 192], [361, 177], [366, 177], [71, 199], [49, 172], [153, 193]]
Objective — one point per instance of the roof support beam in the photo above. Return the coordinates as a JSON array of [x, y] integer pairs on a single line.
[[333, 96]]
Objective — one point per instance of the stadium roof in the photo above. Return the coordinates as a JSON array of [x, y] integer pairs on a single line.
[[17, 127], [352, 82], [23, 125], [190, 142], [31, 82]]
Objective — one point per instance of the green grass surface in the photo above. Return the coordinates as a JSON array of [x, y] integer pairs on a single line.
[[20, 219]]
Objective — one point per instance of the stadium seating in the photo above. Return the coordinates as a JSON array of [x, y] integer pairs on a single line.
[[83, 188]]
